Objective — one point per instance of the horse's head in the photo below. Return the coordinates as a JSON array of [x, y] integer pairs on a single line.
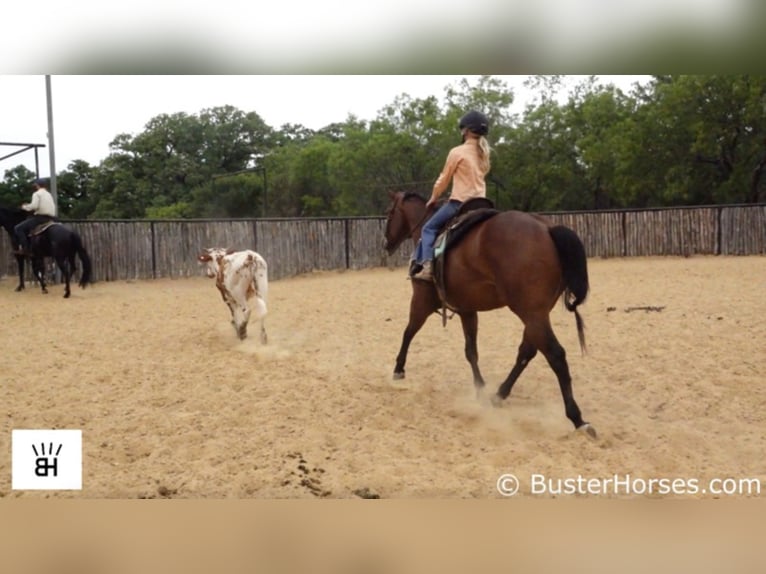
[[210, 257], [404, 218], [11, 216]]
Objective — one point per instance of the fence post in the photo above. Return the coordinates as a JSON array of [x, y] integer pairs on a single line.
[[718, 231], [624, 249], [347, 242], [154, 250]]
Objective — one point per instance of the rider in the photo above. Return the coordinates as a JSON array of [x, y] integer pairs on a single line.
[[466, 166], [43, 208]]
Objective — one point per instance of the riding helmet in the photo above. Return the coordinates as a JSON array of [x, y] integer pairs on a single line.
[[476, 122]]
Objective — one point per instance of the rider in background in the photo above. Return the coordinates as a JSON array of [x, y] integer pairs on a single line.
[[466, 166], [43, 208]]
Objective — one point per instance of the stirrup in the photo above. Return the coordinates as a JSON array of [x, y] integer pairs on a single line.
[[414, 269], [425, 274]]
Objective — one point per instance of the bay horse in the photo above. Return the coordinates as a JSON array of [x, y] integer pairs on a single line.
[[514, 259], [57, 241]]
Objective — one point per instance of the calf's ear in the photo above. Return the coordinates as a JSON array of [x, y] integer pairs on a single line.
[[230, 250], [204, 257]]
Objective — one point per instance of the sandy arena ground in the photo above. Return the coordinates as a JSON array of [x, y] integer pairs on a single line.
[[171, 404]]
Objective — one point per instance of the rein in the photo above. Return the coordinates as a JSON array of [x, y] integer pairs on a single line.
[[421, 222], [414, 228]]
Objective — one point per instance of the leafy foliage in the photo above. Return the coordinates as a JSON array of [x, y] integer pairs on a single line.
[[676, 140]]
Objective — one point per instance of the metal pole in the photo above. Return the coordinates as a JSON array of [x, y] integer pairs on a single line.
[[51, 153]]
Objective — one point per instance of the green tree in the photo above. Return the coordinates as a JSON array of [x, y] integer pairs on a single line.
[[309, 177], [157, 171], [16, 187], [235, 195], [74, 188], [676, 140], [697, 140], [597, 118]]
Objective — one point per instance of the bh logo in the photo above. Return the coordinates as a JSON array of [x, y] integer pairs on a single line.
[[46, 459], [43, 466]]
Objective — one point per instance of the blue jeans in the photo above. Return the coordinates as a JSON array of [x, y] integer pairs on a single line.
[[425, 249], [23, 229]]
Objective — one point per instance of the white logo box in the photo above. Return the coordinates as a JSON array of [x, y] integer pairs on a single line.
[[46, 459]]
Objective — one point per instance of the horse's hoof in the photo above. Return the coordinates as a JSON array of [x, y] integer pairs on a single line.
[[398, 376], [496, 401], [587, 428]]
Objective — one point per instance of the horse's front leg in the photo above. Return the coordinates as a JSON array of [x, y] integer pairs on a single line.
[[470, 322], [39, 272], [20, 263], [424, 302]]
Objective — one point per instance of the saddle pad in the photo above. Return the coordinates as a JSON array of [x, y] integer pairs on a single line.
[[456, 229], [43, 226], [448, 238]]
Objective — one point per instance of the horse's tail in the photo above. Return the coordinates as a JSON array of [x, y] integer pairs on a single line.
[[85, 276], [574, 267]]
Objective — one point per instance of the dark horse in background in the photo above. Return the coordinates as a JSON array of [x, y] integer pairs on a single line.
[[57, 241], [513, 259]]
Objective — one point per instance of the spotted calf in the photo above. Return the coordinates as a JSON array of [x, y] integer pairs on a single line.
[[240, 276]]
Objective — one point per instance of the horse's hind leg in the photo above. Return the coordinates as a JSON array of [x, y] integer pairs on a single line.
[[556, 357], [65, 271], [470, 322], [527, 352], [72, 265], [39, 272], [540, 336]]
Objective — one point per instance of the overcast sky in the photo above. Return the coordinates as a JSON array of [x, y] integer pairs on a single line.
[[373, 36], [90, 111]]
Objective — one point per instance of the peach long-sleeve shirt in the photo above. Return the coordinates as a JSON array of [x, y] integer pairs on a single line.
[[463, 169]]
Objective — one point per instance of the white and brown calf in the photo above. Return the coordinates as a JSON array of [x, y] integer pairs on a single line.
[[240, 277]]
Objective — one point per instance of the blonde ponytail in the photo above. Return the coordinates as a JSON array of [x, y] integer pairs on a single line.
[[484, 151]]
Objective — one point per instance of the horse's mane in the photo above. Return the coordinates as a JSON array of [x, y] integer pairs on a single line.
[[13, 210], [10, 216], [410, 194]]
